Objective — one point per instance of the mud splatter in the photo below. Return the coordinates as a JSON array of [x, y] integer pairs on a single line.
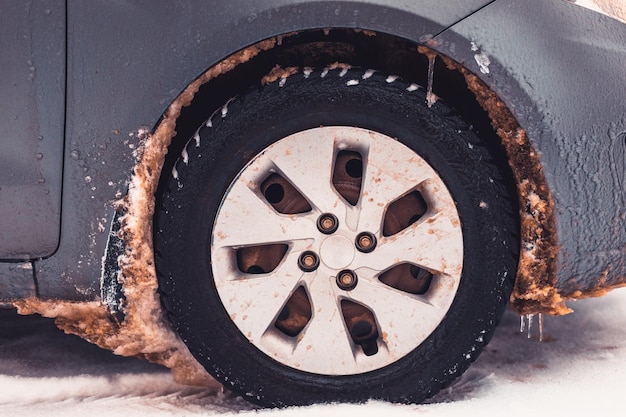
[[144, 332], [278, 72], [534, 291]]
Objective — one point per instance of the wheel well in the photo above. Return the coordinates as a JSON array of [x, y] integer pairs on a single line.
[[357, 48], [463, 91]]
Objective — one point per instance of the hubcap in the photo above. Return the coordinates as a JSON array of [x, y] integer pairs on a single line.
[[337, 250]]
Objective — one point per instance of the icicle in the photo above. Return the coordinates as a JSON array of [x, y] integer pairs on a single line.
[[431, 98], [528, 318]]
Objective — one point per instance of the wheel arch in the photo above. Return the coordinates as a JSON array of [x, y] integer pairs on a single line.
[[281, 56]]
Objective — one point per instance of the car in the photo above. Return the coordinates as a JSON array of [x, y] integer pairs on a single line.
[[310, 201]]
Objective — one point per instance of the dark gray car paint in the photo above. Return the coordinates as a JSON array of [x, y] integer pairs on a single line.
[[32, 111], [567, 88], [17, 280], [128, 60]]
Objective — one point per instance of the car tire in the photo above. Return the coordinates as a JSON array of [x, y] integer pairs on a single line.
[[332, 237]]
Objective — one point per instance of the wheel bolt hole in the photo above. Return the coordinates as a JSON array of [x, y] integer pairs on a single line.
[[361, 329], [346, 280], [365, 242], [354, 168], [348, 175], [284, 313], [370, 347], [274, 193], [327, 223], [295, 315], [255, 269], [308, 261], [413, 219]]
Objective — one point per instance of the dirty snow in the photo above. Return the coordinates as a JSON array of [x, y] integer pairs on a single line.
[[579, 367], [481, 58]]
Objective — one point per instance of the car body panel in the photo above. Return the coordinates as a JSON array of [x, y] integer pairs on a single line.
[[117, 85], [32, 111], [128, 61], [566, 85], [17, 280]]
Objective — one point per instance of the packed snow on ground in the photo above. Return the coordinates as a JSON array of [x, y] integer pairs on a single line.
[[579, 367]]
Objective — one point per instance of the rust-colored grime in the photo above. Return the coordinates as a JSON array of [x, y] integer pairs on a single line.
[[278, 72], [600, 288], [534, 290], [144, 332]]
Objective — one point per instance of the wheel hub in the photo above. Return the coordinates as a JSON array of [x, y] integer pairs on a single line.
[[337, 252]]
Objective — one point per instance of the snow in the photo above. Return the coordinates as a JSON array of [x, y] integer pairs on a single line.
[[483, 62], [580, 367]]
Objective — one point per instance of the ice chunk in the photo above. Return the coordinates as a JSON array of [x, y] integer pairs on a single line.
[[431, 98]]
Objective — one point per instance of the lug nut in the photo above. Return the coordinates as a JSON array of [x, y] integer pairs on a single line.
[[346, 280], [308, 261], [365, 242], [327, 223]]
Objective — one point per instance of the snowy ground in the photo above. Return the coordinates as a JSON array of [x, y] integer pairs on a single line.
[[580, 367]]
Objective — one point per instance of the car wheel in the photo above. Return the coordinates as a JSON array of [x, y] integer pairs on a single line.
[[331, 237]]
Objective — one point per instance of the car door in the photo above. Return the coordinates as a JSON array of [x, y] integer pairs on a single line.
[[32, 88]]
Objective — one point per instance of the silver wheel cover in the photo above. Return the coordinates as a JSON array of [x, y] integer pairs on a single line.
[[325, 345]]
